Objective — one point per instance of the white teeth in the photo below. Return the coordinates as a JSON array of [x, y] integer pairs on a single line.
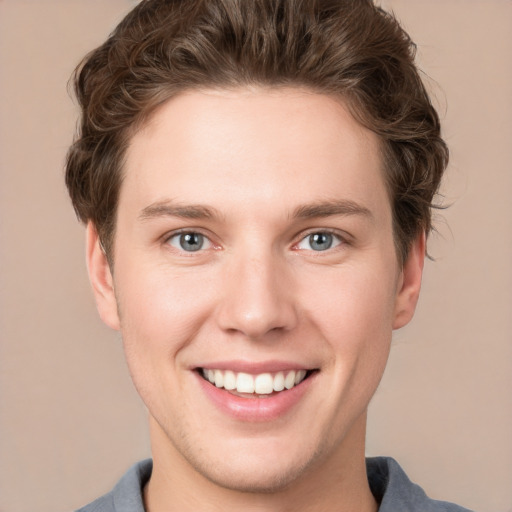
[[289, 380], [229, 380], [299, 376], [219, 379], [262, 384], [279, 382], [245, 383]]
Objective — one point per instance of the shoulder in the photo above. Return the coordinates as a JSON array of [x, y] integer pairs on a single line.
[[395, 492], [126, 496], [103, 504]]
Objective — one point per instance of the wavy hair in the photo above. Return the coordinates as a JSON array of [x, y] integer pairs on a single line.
[[349, 48]]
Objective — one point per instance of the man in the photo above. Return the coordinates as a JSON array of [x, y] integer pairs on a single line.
[[256, 178]]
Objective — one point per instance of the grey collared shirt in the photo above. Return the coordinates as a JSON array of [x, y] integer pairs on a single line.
[[388, 482]]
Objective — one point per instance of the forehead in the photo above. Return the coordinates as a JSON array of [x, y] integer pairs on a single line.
[[262, 145]]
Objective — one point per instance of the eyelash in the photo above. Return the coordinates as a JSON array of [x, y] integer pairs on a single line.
[[178, 234], [337, 240], [337, 237]]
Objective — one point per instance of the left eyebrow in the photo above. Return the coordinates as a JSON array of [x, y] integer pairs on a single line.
[[331, 208], [170, 209]]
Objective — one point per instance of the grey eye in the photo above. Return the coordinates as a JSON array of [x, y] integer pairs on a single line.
[[320, 241], [189, 242]]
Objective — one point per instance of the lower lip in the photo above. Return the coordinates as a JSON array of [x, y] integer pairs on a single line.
[[255, 409]]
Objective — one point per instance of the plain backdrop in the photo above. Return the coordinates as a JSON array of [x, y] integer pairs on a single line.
[[70, 420]]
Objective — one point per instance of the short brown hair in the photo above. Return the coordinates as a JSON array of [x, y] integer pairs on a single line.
[[349, 48]]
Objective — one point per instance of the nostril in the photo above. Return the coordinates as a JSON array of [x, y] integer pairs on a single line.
[[258, 300]]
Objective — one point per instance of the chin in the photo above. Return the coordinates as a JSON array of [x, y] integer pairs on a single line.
[[258, 478], [262, 466]]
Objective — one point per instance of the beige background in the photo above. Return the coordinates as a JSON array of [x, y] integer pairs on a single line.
[[70, 422]]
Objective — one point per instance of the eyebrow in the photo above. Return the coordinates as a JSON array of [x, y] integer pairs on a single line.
[[167, 208], [331, 208]]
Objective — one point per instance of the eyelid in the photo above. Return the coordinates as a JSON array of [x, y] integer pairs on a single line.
[[185, 231], [342, 237]]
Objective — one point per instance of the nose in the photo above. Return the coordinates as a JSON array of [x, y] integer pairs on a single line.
[[258, 297]]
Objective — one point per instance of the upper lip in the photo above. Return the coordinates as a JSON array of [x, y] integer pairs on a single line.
[[254, 367]]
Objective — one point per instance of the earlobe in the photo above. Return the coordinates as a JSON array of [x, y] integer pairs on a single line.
[[101, 279], [410, 283]]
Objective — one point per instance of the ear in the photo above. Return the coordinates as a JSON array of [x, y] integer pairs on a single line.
[[409, 283], [101, 279]]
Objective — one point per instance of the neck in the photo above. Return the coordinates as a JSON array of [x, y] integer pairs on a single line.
[[337, 484]]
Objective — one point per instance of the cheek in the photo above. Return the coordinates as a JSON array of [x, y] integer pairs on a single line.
[[161, 312], [354, 299], [354, 313]]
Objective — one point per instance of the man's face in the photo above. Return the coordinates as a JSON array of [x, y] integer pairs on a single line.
[[254, 247]]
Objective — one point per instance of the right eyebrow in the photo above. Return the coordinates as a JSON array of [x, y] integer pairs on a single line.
[[167, 208], [331, 208]]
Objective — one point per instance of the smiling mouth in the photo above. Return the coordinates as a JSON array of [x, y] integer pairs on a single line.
[[254, 386]]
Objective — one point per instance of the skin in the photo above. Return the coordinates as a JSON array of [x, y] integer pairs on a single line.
[[270, 167]]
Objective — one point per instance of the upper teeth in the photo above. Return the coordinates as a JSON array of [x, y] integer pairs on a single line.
[[261, 384]]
